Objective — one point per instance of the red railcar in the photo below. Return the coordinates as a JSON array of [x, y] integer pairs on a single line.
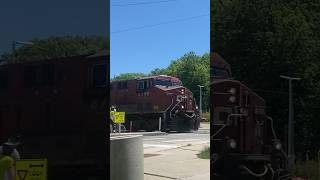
[[244, 144], [148, 99], [58, 106]]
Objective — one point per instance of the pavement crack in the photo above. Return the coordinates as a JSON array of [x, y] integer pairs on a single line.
[[187, 149], [168, 177]]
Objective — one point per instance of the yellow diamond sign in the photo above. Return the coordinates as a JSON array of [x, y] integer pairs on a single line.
[[31, 169], [118, 117]]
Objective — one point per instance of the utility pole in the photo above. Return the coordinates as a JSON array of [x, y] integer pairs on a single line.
[[291, 156], [200, 103]]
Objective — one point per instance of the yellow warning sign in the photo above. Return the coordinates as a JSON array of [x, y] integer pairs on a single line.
[[118, 117], [31, 169]]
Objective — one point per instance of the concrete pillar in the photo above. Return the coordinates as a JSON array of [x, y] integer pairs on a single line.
[[126, 157]]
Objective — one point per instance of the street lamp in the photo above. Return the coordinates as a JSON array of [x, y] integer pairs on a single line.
[[291, 123], [15, 43], [200, 103]]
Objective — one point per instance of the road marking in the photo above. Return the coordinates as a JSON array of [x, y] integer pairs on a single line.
[[181, 140], [147, 139], [160, 145]]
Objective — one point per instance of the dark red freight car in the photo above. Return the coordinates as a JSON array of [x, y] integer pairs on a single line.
[[58, 106], [244, 143], [150, 100]]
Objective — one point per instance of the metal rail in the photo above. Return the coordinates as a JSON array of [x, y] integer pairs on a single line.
[[244, 167], [174, 107]]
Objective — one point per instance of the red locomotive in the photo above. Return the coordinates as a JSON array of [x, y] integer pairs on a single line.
[[58, 106], [244, 143], [155, 102]]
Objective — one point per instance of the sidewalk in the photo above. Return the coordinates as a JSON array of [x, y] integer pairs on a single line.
[[204, 127], [180, 163]]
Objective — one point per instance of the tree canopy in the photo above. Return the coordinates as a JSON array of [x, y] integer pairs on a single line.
[[56, 47], [126, 76], [265, 39]]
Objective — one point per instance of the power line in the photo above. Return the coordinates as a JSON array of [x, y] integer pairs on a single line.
[[163, 23], [142, 3]]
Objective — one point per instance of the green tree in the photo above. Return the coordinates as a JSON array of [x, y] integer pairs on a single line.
[[159, 71], [126, 76], [56, 47], [264, 39]]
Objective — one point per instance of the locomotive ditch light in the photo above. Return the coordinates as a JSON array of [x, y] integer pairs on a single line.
[[233, 91], [232, 99], [277, 145], [232, 143], [182, 91]]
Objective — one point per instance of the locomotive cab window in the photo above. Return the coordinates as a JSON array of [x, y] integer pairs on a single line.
[[4, 79], [48, 74], [161, 82], [39, 75], [143, 85], [31, 76], [99, 75], [122, 85], [220, 73], [176, 83]]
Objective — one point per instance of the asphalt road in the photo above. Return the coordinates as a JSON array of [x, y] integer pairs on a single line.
[[173, 140], [174, 156]]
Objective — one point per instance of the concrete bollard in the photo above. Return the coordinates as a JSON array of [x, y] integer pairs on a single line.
[[126, 157]]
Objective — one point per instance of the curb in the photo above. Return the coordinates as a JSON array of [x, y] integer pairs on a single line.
[[140, 133]]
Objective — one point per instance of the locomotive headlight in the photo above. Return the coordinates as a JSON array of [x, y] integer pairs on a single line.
[[278, 145], [232, 99], [182, 107], [232, 143], [182, 91], [233, 91]]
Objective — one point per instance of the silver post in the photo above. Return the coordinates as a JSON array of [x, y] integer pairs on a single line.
[[119, 126], [160, 123], [130, 126], [291, 156], [200, 103]]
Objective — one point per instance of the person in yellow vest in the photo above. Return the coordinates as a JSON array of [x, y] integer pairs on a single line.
[[112, 119], [7, 162]]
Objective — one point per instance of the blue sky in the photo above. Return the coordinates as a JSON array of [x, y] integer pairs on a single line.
[[24, 20], [149, 34]]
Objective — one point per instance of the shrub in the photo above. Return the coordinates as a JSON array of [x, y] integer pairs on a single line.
[[204, 153], [308, 169]]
